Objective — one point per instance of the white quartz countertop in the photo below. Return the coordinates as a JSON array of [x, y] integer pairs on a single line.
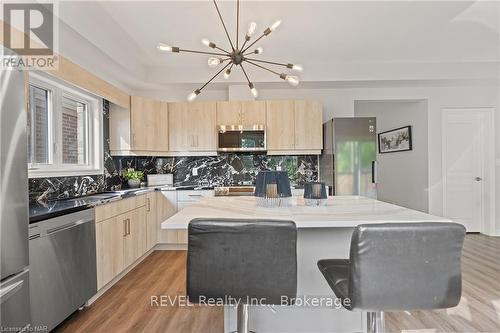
[[339, 212]]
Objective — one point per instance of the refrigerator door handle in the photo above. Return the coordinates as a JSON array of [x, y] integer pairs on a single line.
[[7, 292], [374, 173]]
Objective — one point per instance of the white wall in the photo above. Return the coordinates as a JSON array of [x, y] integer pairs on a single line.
[[402, 177], [339, 102]]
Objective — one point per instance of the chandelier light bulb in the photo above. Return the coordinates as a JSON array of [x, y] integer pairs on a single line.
[[213, 62], [258, 50], [275, 25], [297, 68], [251, 28], [205, 42], [164, 47], [227, 73], [192, 96], [254, 91], [292, 80]]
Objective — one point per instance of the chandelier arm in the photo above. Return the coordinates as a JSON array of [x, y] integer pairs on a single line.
[[268, 62], [255, 41], [244, 72], [267, 69], [237, 22], [203, 52], [213, 77], [218, 48], [223, 24], [244, 43]]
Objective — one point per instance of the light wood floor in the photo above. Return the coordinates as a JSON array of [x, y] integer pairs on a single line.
[[126, 306]]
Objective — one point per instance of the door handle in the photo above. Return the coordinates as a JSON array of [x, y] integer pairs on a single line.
[[128, 224], [478, 179], [373, 172], [125, 228], [149, 204]]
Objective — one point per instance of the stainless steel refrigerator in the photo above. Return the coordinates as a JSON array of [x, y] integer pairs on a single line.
[[349, 157], [14, 284]]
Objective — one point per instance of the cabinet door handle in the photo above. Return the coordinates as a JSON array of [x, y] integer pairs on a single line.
[[149, 204], [197, 141], [128, 226], [125, 228]]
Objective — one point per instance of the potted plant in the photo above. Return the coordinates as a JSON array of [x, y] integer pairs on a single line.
[[133, 178]]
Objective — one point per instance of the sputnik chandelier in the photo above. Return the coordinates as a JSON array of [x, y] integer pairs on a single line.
[[238, 55]]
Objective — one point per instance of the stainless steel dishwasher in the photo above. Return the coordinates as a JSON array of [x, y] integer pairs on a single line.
[[62, 257]]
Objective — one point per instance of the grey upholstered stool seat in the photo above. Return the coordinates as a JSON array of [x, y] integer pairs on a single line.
[[254, 261], [397, 267]]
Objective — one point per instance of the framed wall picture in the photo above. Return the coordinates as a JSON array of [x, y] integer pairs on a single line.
[[395, 140]]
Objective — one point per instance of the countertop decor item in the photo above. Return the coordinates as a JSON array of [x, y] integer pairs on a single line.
[[133, 178], [315, 193], [272, 189], [237, 55]]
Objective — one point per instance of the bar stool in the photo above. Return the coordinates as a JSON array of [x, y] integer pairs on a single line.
[[398, 267], [248, 260]]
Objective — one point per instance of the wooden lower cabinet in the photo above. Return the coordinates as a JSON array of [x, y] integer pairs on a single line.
[[120, 241], [135, 240], [109, 251], [151, 220]]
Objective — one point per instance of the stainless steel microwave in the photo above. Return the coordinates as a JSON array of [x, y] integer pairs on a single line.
[[239, 138]]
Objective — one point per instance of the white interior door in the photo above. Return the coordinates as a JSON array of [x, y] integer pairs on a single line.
[[464, 158]]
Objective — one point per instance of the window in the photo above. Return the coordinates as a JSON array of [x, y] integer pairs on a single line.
[[64, 130]]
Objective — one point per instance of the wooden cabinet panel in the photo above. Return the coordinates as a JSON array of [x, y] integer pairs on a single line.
[[179, 135], [241, 113], [151, 220], [228, 113], [148, 124], [202, 118], [162, 134], [140, 123], [308, 125], [111, 209], [253, 113], [134, 244], [109, 250], [280, 125]]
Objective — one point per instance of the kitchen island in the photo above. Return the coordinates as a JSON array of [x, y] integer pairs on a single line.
[[323, 232]]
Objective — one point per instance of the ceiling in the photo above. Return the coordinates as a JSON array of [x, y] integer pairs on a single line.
[[342, 40]]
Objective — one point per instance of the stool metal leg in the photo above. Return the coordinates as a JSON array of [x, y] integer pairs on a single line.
[[243, 318], [375, 322]]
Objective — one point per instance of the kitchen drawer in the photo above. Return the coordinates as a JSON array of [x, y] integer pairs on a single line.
[[106, 211], [195, 195]]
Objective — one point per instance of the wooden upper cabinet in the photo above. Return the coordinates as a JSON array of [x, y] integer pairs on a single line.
[[228, 113], [253, 113], [192, 127], [308, 125], [244, 113], [202, 117], [149, 124], [280, 125], [178, 118]]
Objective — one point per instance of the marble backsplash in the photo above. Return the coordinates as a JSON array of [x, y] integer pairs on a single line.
[[53, 188], [221, 170]]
